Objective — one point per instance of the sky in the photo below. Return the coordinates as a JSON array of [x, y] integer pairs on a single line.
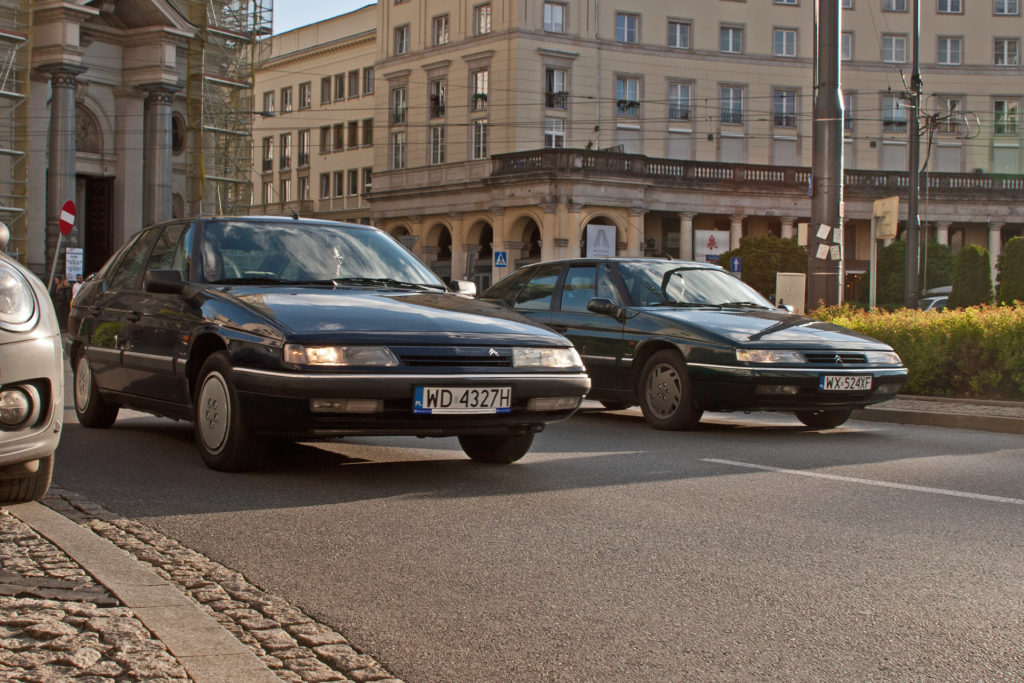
[[289, 14]]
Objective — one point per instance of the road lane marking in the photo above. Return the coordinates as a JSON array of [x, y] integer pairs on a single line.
[[870, 482]]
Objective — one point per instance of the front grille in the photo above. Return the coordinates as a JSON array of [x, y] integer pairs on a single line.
[[830, 358], [455, 357]]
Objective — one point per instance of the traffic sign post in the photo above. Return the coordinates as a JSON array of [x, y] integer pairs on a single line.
[[66, 223]]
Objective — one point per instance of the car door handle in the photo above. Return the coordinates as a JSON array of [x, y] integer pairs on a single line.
[[133, 316]]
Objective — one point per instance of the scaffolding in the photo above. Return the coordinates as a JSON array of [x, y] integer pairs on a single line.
[[232, 38], [15, 28]]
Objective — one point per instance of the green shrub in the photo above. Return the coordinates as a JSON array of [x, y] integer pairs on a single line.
[[765, 255], [1011, 272], [971, 352], [891, 271], [972, 278]]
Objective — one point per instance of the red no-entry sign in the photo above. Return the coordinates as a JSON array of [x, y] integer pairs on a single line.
[[67, 217]]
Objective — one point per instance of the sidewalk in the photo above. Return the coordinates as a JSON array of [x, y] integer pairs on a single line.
[[87, 594]]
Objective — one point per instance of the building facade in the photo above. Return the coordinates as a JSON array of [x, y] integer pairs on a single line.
[[507, 127]]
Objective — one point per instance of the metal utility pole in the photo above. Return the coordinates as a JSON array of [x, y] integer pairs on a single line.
[[825, 233], [913, 239]]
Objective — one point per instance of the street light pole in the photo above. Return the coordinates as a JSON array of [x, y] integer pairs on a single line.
[[913, 239]]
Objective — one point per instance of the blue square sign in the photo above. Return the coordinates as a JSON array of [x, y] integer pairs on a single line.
[[501, 259]]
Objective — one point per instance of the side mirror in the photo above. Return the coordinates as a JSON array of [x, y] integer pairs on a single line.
[[464, 287], [786, 307], [606, 307], [163, 282]]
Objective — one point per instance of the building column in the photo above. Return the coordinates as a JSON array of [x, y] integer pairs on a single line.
[[634, 245], [735, 231], [686, 236], [995, 243], [942, 232], [788, 228], [157, 154], [60, 179]]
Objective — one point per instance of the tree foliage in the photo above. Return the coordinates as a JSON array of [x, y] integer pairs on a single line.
[[765, 255], [1011, 272], [936, 271], [972, 278]]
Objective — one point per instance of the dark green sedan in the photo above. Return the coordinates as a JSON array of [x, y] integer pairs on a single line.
[[680, 338]]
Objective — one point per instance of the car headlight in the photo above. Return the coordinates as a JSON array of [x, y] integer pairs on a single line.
[[769, 356], [882, 358], [17, 301], [340, 356], [528, 357]]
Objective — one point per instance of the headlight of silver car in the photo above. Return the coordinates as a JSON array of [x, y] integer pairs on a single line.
[[17, 301], [340, 356], [882, 358], [528, 357], [769, 356]]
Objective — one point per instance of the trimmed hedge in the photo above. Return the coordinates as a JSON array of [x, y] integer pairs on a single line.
[[975, 352]]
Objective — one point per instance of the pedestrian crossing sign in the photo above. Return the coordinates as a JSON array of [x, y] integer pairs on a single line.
[[501, 259]]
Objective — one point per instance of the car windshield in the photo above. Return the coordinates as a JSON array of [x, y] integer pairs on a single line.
[[240, 251], [667, 283]]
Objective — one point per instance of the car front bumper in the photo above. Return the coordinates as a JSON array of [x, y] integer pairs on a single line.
[[36, 361], [279, 402]]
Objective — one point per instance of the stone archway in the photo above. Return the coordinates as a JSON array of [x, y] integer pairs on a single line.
[[601, 243], [437, 251]]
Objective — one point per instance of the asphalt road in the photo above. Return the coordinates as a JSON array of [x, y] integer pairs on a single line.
[[749, 549]]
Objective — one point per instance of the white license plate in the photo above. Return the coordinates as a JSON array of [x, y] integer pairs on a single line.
[[462, 400], [844, 382]]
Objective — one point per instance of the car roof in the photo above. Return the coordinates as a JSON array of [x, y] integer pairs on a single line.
[[271, 219], [631, 259]]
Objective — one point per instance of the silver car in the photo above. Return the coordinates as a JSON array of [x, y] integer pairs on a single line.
[[31, 382]]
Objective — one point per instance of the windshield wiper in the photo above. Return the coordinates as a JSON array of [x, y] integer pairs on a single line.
[[687, 304], [383, 281], [743, 304], [253, 280]]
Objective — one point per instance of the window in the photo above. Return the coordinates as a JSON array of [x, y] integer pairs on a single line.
[[537, 293], [784, 42], [368, 80], [1006, 51], [402, 40], [439, 34], [480, 139], [127, 274], [437, 145], [949, 50], [286, 150], [304, 188], [555, 94], [353, 83], [847, 4], [554, 132], [305, 95], [325, 139], [1006, 7], [578, 289], [339, 183], [268, 103], [627, 27], [627, 94], [950, 116], [846, 47], [339, 86], [894, 5], [848, 112], [367, 132], [1004, 117], [894, 49], [398, 106], [353, 134], [785, 2], [353, 182], [398, 150], [894, 114], [325, 90], [286, 100], [481, 84], [339, 137], [304, 148], [554, 17], [285, 195], [731, 104], [367, 180], [267, 192], [268, 154], [437, 98], [784, 108], [679, 101], [679, 35], [950, 7], [325, 185], [731, 39], [481, 20]]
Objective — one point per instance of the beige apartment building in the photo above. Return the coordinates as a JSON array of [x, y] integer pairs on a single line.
[[491, 134]]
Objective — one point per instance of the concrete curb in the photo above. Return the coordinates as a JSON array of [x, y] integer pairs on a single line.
[[207, 651], [984, 423]]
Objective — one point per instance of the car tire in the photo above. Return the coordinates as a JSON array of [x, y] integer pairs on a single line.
[[25, 481], [823, 419], [91, 408], [666, 399], [496, 448], [615, 405], [224, 441]]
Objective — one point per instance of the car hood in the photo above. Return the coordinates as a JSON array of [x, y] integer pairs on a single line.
[[767, 328], [311, 314]]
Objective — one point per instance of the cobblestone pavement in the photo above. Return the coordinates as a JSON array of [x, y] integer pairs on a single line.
[[57, 623]]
